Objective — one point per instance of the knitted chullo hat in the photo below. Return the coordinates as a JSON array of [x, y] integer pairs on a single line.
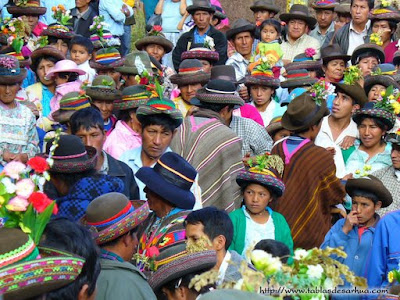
[[298, 78], [103, 88], [26, 8], [107, 58], [70, 103], [132, 97], [190, 72]]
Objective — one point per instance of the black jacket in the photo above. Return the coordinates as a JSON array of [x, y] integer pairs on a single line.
[[121, 170], [342, 37], [81, 26], [182, 45]]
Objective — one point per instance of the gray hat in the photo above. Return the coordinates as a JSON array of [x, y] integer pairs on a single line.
[[203, 5], [131, 61]]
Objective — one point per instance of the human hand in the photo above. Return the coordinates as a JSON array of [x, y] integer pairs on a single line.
[[348, 176], [351, 220], [8, 156], [21, 157], [243, 93], [348, 141], [331, 150]]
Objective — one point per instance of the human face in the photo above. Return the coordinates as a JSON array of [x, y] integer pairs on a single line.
[[334, 70], [359, 12], [261, 95], [243, 43], [194, 232], [155, 140], [366, 65], [281, 134], [269, 34], [81, 4], [206, 65], [61, 45], [105, 107], [375, 92], [262, 15], [189, 91], [93, 137], [324, 17], [382, 27], [342, 106], [79, 54], [42, 69], [32, 21], [154, 200], [202, 19], [296, 28], [396, 156], [112, 73], [343, 19], [370, 134], [58, 80], [156, 51], [129, 80], [365, 209], [8, 93], [256, 198]]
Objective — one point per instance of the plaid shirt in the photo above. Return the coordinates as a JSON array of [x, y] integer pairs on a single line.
[[291, 49], [255, 139], [392, 183]]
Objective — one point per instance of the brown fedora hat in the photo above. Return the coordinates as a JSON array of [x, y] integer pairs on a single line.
[[47, 51], [203, 5], [385, 80], [303, 112], [333, 52], [355, 91], [298, 11], [265, 5], [240, 25], [368, 50], [155, 39]]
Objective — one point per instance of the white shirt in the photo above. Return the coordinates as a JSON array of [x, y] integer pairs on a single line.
[[325, 139], [90, 72], [357, 38], [268, 113], [223, 267]]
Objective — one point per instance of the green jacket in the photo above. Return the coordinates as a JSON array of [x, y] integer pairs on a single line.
[[282, 230], [122, 280]]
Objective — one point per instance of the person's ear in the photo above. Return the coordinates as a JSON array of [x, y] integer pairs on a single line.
[[127, 240], [219, 243], [378, 205], [324, 68], [84, 292]]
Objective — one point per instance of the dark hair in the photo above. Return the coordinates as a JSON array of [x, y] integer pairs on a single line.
[[82, 41], [163, 120], [365, 194], [370, 3], [36, 62], [218, 19], [125, 114], [272, 22], [114, 242], [216, 107], [69, 236], [368, 54], [275, 248], [392, 25], [309, 126], [71, 76], [86, 118], [54, 39], [71, 178], [273, 195], [378, 121], [215, 221]]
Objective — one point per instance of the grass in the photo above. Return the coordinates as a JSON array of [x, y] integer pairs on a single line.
[[138, 30]]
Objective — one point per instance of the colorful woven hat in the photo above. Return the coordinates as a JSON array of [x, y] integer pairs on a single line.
[[298, 78], [10, 71], [47, 51], [106, 59], [219, 92], [155, 37], [133, 63], [103, 88], [198, 51], [26, 8], [16, 246], [24, 61], [274, 126], [194, 263], [203, 5], [375, 110], [384, 10], [132, 97], [58, 31], [382, 75], [240, 25], [332, 52], [367, 50], [108, 40], [160, 106], [112, 215], [267, 172], [65, 65], [262, 75], [372, 185], [70, 103], [324, 4], [304, 61], [300, 12], [29, 279], [268, 5], [171, 178], [71, 155], [190, 72]]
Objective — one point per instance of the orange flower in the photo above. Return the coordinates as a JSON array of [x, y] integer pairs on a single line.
[[5, 30], [54, 9], [60, 6]]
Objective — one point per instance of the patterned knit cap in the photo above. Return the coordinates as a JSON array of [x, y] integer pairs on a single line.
[[70, 103], [160, 106]]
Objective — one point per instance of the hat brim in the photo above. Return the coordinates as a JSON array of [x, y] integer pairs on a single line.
[[393, 138], [62, 116], [293, 83], [273, 128], [182, 80], [375, 49], [145, 110], [211, 56], [309, 65], [7, 79], [385, 80], [309, 20], [191, 9], [127, 70], [345, 58], [28, 11], [343, 8], [375, 187], [271, 183], [219, 15], [203, 95], [155, 182], [125, 104], [100, 93], [262, 80], [158, 40], [230, 34], [355, 91], [326, 6], [272, 8], [47, 51], [389, 16], [386, 117], [52, 73], [110, 66], [58, 34]]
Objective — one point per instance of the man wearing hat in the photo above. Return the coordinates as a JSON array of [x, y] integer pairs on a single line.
[[263, 10], [201, 11], [114, 219], [324, 11], [390, 176], [298, 21], [312, 187], [357, 32], [355, 233]]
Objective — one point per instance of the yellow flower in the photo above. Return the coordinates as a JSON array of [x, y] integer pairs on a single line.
[[383, 93], [2, 200], [390, 276], [357, 172], [391, 97], [367, 168], [396, 107]]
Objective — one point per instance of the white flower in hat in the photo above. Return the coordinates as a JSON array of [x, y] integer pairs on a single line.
[[209, 42], [315, 271], [299, 254]]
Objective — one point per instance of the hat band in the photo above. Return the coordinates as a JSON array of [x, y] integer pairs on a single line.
[[18, 254], [302, 59], [114, 219], [263, 172], [309, 117], [69, 156], [219, 92], [297, 75], [188, 71], [173, 176], [225, 77]]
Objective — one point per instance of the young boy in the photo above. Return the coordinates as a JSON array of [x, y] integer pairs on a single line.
[[81, 49], [216, 225], [82, 17], [355, 233]]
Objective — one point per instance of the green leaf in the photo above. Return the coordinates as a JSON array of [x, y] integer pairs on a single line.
[[2, 189], [41, 222], [29, 219]]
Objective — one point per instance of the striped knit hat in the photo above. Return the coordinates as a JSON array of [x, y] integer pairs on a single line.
[[157, 106], [132, 97], [298, 78], [70, 103], [107, 58], [190, 72], [324, 4], [274, 125]]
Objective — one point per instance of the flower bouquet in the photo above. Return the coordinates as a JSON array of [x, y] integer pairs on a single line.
[[17, 30], [62, 15], [389, 100], [209, 43], [321, 90], [146, 260], [98, 27], [352, 74], [155, 30]]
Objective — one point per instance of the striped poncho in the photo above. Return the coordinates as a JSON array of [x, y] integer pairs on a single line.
[[311, 189], [214, 151]]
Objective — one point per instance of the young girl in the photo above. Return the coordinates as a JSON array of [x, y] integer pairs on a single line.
[[255, 221], [66, 76], [269, 46]]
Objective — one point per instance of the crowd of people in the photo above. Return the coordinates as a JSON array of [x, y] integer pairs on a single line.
[[131, 169]]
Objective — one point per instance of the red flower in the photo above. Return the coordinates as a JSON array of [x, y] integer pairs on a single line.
[[40, 202], [152, 252], [157, 28], [144, 81], [39, 164]]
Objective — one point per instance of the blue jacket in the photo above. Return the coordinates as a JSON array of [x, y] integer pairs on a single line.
[[385, 252]]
